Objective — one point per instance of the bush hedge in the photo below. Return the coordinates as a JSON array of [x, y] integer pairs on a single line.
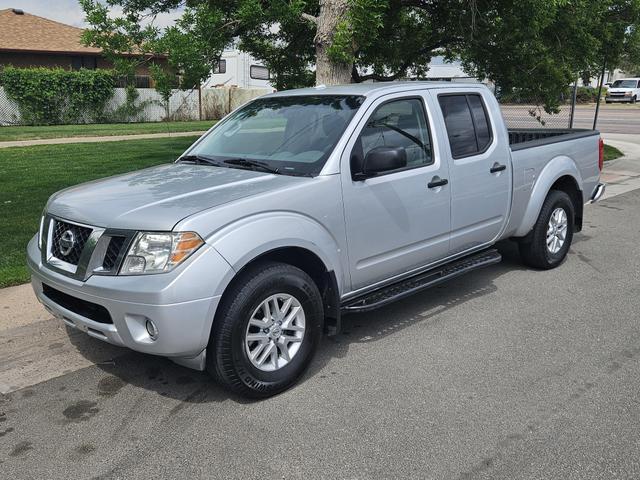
[[589, 94], [56, 96]]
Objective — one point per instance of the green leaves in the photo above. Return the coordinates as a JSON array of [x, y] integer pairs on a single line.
[[529, 48], [358, 30], [56, 96]]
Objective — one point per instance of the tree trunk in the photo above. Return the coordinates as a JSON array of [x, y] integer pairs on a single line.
[[329, 72]]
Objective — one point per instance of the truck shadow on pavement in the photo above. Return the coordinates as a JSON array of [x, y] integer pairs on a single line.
[[165, 378]]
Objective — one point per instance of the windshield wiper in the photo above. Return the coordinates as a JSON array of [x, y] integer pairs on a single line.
[[199, 159], [244, 162]]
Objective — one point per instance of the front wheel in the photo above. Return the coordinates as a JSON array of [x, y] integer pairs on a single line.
[[548, 243], [266, 330]]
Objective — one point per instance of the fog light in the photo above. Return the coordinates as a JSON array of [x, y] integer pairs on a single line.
[[151, 329]]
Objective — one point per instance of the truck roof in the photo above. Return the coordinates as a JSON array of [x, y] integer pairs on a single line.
[[368, 89]]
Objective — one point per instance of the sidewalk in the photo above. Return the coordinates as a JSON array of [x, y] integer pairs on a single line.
[[623, 174], [108, 138]]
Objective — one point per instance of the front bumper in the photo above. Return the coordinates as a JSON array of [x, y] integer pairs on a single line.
[[181, 304], [620, 99]]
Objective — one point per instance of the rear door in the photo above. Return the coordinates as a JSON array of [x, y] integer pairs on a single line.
[[395, 221], [480, 169]]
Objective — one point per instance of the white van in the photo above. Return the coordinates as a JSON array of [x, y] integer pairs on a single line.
[[624, 90]]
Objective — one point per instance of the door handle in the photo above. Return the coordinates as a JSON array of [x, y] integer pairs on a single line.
[[437, 182], [497, 168]]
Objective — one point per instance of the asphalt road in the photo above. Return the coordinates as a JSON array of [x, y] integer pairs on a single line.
[[506, 373], [613, 118]]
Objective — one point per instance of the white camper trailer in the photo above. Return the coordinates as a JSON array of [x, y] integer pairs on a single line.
[[239, 69]]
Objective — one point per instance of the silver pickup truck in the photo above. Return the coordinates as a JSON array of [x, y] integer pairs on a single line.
[[298, 207]]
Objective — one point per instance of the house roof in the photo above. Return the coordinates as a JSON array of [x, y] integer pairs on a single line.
[[23, 32]]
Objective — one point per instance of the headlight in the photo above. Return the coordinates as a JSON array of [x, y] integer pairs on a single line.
[[628, 94], [153, 252]]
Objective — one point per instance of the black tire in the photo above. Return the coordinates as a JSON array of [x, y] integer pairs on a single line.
[[633, 100], [533, 248], [227, 358]]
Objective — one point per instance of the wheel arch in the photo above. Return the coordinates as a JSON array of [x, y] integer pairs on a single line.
[[310, 263], [562, 174], [287, 237]]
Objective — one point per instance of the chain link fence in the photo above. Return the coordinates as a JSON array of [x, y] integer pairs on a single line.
[[522, 112]]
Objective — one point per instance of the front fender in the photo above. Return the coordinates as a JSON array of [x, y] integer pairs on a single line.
[[558, 167], [246, 239]]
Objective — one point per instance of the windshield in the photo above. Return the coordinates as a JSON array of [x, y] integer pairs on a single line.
[[290, 135], [625, 84]]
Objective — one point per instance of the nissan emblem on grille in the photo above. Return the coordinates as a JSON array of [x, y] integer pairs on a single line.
[[67, 242]]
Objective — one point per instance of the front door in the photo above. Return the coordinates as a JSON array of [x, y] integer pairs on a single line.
[[395, 221]]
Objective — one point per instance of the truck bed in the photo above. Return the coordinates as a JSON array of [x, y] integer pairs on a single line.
[[533, 150], [522, 138]]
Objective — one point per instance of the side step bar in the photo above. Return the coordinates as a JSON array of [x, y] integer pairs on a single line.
[[422, 281]]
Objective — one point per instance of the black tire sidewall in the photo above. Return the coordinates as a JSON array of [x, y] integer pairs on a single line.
[[252, 290], [533, 247], [559, 200]]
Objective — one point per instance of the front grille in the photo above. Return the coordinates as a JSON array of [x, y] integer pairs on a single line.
[[68, 241], [85, 309], [113, 250]]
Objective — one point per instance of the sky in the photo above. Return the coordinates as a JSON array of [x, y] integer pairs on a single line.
[[67, 11]]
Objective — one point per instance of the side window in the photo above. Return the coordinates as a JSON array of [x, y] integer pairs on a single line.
[[220, 66], [483, 131], [400, 123], [258, 72], [467, 124]]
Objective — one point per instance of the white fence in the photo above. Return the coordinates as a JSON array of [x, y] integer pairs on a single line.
[[206, 104]]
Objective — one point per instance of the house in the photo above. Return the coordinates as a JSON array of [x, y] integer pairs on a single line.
[[30, 41]]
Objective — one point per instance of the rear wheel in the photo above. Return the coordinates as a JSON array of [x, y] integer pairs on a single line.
[[548, 243], [266, 330]]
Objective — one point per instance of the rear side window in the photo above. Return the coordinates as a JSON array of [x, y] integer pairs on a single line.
[[467, 124]]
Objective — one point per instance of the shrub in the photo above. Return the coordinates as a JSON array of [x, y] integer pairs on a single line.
[[589, 94], [56, 96]]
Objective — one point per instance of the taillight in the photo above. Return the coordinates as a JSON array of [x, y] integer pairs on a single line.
[[601, 155]]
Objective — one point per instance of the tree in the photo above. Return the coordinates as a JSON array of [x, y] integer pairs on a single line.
[[534, 46]]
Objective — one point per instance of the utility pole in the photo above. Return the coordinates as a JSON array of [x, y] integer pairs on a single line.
[[595, 118], [573, 103]]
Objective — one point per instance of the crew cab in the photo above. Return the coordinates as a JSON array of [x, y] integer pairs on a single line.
[[299, 207], [624, 90]]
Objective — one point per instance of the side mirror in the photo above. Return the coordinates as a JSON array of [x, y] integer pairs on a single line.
[[383, 159]]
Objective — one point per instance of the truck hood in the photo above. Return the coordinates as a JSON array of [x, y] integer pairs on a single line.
[[157, 198], [620, 90]]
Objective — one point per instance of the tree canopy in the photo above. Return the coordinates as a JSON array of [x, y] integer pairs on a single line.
[[537, 47]]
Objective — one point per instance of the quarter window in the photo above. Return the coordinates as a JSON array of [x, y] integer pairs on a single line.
[[467, 124], [400, 123]]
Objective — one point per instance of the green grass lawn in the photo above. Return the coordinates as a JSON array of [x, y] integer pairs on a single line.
[[611, 153], [31, 174], [104, 129]]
